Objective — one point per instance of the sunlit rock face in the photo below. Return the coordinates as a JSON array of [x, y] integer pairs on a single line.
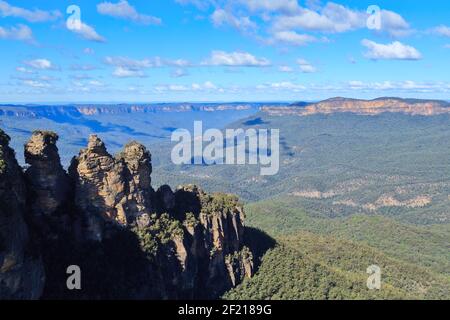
[[100, 187]]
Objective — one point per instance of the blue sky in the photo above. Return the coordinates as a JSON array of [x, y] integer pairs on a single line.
[[222, 50]]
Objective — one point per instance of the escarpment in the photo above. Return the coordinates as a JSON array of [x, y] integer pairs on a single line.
[[130, 241]]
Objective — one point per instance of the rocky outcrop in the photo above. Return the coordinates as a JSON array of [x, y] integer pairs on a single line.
[[112, 189], [214, 233], [138, 170], [106, 217], [100, 188], [48, 184], [21, 269]]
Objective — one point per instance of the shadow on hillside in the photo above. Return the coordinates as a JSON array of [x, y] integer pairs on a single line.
[[259, 243]]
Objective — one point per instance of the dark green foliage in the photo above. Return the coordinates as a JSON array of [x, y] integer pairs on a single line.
[[219, 202], [190, 220], [161, 231], [425, 246], [147, 242], [307, 266]]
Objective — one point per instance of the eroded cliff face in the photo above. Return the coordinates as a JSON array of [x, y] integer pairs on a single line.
[[130, 241], [364, 107], [21, 269], [209, 241], [138, 163], [100, 188]]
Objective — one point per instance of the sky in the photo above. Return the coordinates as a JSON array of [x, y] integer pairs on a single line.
[[222, 50]]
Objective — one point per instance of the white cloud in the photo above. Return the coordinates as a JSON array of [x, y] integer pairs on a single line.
[[7, 10], [333, 18], [221, 17], [292, 38], [87, 86], [128, 62], [124, 10], [41, 64], [36, 84], [171, 87], [82, 67], [336, 18], [132, 68], [287, 85], [359, 85], [96, 83], [305, 66], [160, 62], [285, 6], [200, 4], [178, 73], [209, 85], [156, 62], [88, 51], [442, 31], [122, 72], [81, 76], [286, 69], [20, 32], [24, 70], [235, 59], [394, 24], [393, 51], [87, 32], [407, 85], [206, 86]]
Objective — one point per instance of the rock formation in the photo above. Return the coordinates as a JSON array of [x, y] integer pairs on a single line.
[[21, 270], [105, 217], [139, 168], [100, 188], [48, 184]]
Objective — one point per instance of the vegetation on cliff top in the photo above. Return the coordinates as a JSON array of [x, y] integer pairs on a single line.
[[160, 230], [219, 202]]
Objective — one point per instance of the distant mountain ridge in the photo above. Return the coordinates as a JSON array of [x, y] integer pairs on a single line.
[[364, 107], [98, 109], [301, 108]]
